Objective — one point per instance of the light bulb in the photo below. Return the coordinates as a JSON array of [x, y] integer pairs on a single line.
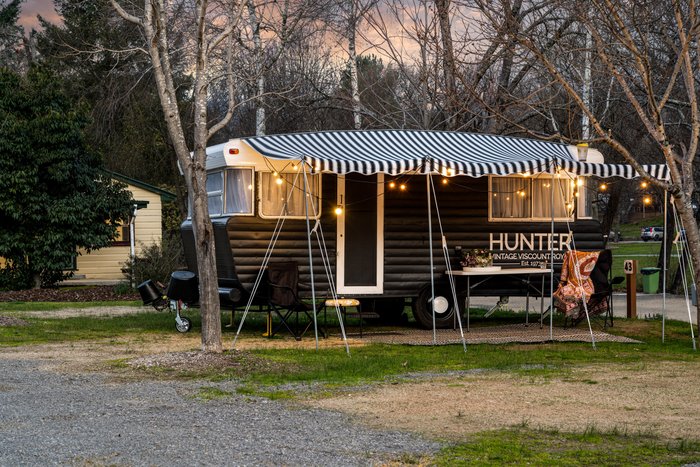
[[278, 181], [338, 211], [579, 182], [444, 181], [603, 187], [392, 184], [402, 187]]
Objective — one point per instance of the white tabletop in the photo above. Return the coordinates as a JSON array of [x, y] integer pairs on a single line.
[[500, 272]]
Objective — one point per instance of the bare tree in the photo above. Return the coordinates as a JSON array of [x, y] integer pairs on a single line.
[[650, 52], [271, 28], [212, 26]]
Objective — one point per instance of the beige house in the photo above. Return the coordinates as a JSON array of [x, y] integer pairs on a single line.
[[105, 266]]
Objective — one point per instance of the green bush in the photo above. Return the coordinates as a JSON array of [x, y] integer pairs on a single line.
[[156, 262], [15, 275]]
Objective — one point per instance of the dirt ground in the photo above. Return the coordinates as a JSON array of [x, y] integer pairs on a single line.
[[659, 398]]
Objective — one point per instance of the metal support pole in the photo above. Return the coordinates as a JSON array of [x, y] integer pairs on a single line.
[[663, 272], [430, 243], [553, 168], [311, 260]]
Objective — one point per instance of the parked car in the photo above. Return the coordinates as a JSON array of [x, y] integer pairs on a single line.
[[652, 233]]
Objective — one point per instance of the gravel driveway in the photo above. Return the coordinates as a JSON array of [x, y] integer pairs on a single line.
[[49, 417]]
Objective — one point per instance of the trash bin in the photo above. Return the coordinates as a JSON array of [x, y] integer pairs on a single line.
[[650, 280]]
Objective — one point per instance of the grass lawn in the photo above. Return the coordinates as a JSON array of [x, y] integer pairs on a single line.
[[525, 446], [645, 253], [330, 371], [633, 231]]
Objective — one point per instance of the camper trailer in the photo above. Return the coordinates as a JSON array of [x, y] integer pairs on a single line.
[[373, 213]]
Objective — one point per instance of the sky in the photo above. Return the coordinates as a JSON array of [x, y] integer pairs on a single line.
[[32, 8]]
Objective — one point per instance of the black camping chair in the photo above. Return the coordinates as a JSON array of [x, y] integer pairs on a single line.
[[603, 283], [282, 287]]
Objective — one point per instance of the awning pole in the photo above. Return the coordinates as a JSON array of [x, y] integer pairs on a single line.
[[311, 259], [430, 243], [553, 168], [663, 277]]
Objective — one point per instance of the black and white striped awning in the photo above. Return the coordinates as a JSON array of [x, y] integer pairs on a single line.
[[397, 152]]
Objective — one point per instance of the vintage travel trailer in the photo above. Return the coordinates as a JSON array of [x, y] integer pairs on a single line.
[[369, 191]]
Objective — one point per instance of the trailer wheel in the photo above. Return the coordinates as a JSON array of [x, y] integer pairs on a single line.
[[184, 325], [444, 308]]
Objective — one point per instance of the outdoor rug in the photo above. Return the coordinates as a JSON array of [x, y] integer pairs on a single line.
[[511, 333]]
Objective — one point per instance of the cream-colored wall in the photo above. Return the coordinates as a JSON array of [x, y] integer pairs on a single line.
[[106, 264]]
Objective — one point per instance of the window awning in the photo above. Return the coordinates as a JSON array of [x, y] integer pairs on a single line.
[[397, 152]]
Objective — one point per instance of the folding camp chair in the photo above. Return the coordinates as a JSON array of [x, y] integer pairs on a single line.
[[282, 284], [593, 277]]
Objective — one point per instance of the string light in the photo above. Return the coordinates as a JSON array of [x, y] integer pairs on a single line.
[[579, 182], [444, 181], [275, 174], [603, 187], [645, 184], [294, 167], [338, 211], [647, 200], [278, 181], [402, 187], [392, 184]]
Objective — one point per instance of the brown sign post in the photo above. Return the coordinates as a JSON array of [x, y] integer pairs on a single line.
[[631, 275]]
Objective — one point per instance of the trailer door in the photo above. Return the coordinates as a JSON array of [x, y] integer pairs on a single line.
[[360, 242]]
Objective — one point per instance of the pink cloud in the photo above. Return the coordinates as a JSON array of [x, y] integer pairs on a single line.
[[32, 8]]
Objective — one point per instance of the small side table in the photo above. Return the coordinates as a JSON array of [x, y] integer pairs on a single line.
[[343, 304]]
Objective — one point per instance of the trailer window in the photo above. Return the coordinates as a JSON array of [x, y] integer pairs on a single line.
[[525, 198], [239, 191], [282, 195], [215, 193]]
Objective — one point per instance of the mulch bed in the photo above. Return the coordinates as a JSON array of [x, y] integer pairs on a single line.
[[102, 293]]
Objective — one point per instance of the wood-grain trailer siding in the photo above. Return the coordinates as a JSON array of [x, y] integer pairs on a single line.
[[241, 241]]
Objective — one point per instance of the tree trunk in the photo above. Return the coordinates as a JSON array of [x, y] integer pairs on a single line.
[[448, 63], [612, 208], [206, 267], [352, 67], [259, 70]]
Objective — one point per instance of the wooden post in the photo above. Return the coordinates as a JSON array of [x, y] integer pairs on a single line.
[[631, 275]]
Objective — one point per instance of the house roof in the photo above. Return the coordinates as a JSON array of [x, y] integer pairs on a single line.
[[165, 195], [450, 153]]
